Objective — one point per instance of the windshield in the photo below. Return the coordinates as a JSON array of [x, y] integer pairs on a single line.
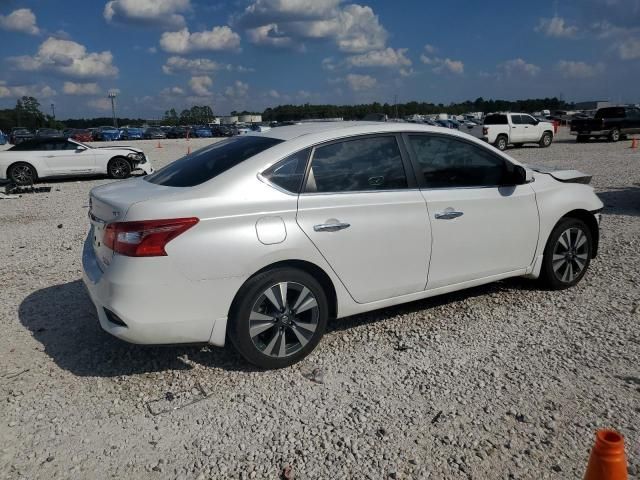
[[210, 161]]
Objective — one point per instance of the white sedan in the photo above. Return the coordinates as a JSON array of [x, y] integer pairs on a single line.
[[39, 158], [263, 237]]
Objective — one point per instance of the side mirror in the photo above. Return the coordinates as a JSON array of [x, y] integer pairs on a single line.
[[519, 176], [80, 148]]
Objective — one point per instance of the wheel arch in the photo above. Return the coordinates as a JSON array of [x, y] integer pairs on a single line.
[[589, 219], [312, 269]]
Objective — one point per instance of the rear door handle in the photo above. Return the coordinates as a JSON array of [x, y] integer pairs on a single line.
[[448, 215], [330, 227]]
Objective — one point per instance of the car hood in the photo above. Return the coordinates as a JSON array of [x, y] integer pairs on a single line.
[[568, 176]]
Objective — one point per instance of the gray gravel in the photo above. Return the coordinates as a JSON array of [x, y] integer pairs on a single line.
[[501, 381]]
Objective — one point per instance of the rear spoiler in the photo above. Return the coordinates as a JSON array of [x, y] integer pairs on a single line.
[[566, 176]]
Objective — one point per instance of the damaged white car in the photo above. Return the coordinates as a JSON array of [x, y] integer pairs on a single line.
[[32, 160]]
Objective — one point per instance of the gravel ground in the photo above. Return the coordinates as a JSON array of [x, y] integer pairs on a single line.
[[501, 381]]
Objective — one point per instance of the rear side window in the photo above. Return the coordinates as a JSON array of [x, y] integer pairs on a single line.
[[210, 161], [451, 163], [614, 112], [289, 173], [496, 119], [365, 164]]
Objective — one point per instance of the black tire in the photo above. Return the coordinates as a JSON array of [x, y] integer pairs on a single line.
[[555, 273], [118, 167], [501, 143], [22, 174], [545, 140], [582, 138], [263, 349], [614, 135]]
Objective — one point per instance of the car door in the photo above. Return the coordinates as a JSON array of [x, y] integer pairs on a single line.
[[361, 208], [516, 134], [632, 121], [481, 224], [531, 129], [64, 157]]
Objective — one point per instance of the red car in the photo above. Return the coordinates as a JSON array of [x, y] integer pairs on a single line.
[[81, 135]]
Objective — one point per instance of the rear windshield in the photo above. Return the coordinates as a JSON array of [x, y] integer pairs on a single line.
[[496, 120], [210, 161], [610, 113]]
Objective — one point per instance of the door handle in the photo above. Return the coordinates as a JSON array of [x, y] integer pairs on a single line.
[[448, 215], [50, 156], [330, 227]]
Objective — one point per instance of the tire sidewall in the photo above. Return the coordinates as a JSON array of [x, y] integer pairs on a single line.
[[501, 143], [548, 274], [546, 140], [614, 136], [34, 176], [238, 326]]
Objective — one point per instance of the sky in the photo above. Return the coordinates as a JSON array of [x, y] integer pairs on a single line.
[[253, 54]]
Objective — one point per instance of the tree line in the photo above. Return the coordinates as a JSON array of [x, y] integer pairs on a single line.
[[27, 112]]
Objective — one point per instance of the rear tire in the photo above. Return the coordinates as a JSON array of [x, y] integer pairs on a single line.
[[22, 174], [582, 139], [545, 140], [119, 167], [567, 254], [272, 332], [614, 135], [501, 143]]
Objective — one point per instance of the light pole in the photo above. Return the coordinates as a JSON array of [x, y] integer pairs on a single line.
[[112, 95], [53, 111]]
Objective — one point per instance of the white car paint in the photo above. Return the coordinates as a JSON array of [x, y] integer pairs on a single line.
[[394, 251], [526, 130], [82, 159]]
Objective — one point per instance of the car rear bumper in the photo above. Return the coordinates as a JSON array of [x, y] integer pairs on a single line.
[[146, 301]]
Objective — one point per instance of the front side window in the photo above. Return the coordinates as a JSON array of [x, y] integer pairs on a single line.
[[516, 119], [211, 161], [289, 173], [529, 120], [451, 163], [365, 164]]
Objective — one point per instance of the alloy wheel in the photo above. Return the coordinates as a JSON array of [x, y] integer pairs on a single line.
[[283, 319], [570, 254], [22, 174], [118, 168]]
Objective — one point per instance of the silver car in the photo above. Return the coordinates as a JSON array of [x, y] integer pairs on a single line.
[[263, 237]]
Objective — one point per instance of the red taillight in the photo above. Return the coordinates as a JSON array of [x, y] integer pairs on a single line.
[[146, 238]]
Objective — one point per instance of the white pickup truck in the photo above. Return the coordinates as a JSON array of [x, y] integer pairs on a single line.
[[502, 129]]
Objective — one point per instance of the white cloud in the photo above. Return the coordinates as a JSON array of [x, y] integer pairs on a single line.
[[100, 104], [172, 92], [430, 49], [238, 90], [629, 49], [287, 23], [360, 82], [72, 88], [556, 27], [329, 64], [21, 20], [443, 65], [573, 69], [200, 85], [38, 91], [182, 41], [68, 58], [192, 65], [273, 94], [147, 12], [518, 66], [152, 50], [381, 58]]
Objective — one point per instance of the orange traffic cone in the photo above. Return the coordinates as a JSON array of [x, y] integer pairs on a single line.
[[634, 143], [607, 460], [158, 146]]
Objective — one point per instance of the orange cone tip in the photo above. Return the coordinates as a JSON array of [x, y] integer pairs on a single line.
[[608, 460]]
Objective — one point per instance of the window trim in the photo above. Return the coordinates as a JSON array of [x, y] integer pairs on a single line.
[[422, 184], [404, 158]]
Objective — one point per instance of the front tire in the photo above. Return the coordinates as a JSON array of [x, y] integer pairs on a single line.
[[22, 174], [614, 135], [278, 317], [582, 139], [119, 168], [545, 140], [567, 254]]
